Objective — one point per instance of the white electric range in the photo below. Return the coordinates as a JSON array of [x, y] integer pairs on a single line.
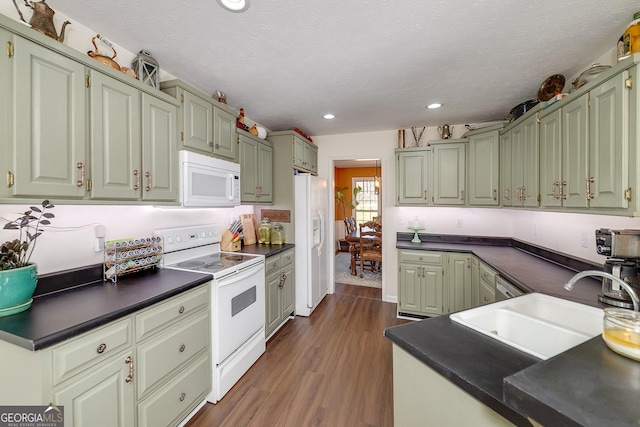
[[237, 299]]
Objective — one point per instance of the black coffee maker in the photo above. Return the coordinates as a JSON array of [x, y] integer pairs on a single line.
[[622, 249]]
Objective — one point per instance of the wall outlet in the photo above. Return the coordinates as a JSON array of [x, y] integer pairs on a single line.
[[400, 220], [459, 223], [536, 230], [584, 240]]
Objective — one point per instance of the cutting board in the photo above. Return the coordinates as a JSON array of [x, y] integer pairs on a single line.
[[249, 228]]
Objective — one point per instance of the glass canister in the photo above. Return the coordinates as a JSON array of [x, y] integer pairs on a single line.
[[277, 234], [631, 37], [264, 231]]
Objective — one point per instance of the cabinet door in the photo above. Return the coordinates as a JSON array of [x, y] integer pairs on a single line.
[[487, 293], [249, 173], [409, 288], [432, 291], [413, 178], [298, 152], [313, 161], [50, 131], [551, 176], [265, 173], [475, 282], [609, 143], [449, 162], [530, 170], [575, 152], [159, 160], [6, 91], [115, 139], [288, 291], [273, 303], [506, 162], [484, 169], [459, 282], [517, 174], [99, 397], [225, 140], [197, 119]]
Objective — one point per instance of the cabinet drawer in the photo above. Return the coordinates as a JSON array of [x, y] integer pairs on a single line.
[[287, 257], [166, 313], [422, 257], [171, 403], [158, 357], [487, 273], [90, 348], [272, 264]]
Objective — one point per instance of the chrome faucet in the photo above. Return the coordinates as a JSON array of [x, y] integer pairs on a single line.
[[634, 297]]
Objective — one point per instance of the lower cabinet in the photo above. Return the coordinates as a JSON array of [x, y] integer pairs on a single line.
[[149, 368], [432, 283], [280, 290]]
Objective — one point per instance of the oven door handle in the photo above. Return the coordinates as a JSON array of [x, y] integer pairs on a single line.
[[241, 274]]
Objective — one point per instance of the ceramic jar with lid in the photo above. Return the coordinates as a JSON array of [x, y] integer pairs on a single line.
[[264, 232], [277, 234]]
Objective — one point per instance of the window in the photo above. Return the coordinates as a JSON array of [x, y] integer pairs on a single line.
[[368, 201]]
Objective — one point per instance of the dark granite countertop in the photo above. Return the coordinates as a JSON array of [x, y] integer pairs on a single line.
[[266, 250], [61, 315], [588, 385]]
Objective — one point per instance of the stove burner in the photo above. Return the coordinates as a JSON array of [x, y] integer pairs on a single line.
[[190, 264]]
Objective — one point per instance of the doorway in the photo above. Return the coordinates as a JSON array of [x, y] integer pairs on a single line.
[[357, 200]]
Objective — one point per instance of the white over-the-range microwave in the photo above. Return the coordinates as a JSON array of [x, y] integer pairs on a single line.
[[208, 182]]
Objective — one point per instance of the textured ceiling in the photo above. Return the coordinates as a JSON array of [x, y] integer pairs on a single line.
[[374, 64]]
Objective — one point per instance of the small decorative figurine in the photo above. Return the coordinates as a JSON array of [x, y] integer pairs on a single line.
[[222, 98]]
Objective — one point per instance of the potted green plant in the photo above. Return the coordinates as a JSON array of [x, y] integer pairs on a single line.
[[343, 201], [18, 276]]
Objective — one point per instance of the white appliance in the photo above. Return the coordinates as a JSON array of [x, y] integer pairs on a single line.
[[310, 235], [237, 299], [208, 182]]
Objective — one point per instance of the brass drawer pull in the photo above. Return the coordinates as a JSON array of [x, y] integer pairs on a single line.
[[137, 183], [129, 361], [182, 396], [181, 309], [80, 182], [148, 176], [101, 348], [182, 348]]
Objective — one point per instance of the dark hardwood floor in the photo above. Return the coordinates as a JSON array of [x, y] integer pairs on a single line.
[[330, 369]]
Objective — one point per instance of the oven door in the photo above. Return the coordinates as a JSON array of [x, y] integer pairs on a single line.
[[238, 309]]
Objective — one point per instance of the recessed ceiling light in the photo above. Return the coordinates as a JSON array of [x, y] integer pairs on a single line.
[[329, 116], [234, 5], [434, 105]]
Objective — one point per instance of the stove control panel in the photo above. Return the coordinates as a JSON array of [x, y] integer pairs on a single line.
[[176, 239]]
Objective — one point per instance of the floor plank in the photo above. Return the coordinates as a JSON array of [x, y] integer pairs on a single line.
[[330, 369]]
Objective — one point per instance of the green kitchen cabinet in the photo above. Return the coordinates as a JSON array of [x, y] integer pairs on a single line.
[[116, 153], [127, 372], [421, 284], [204, 124], [523, 141], [159, 145], [459, 282], [608, 177], [486, 285], [303, 153], [49, 123], [413, 176], [506, 181], [6, 112], [449, 172], [484, 167], [256, 168], [280, 290], [551, 176]]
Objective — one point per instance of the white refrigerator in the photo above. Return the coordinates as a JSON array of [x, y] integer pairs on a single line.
[[310, 239]]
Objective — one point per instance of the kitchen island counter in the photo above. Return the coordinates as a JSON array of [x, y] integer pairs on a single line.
[[61, 315]]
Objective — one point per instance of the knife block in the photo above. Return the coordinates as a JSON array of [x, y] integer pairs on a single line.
[[227, 243]]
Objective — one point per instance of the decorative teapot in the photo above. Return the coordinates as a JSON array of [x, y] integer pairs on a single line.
[[445, 131], [42, 19], [109, 61]]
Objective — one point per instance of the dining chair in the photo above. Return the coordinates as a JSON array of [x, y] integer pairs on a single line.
[[371, 246]]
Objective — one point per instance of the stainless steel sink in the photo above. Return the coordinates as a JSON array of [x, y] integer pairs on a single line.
[[538, 324]]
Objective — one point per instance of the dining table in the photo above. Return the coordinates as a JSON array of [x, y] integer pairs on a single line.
[[353, 239]]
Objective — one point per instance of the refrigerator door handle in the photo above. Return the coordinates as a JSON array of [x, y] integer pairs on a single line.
[[321, 232]]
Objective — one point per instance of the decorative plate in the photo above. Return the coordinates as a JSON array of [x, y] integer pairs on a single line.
[[552, 85]]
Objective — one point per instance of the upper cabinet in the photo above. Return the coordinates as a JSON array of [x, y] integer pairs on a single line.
[[413, 176], [74, 129], [49, 123], [484, 167], [204, 124], [520, 141], [303, 153], [449, 172], [256, 169]]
